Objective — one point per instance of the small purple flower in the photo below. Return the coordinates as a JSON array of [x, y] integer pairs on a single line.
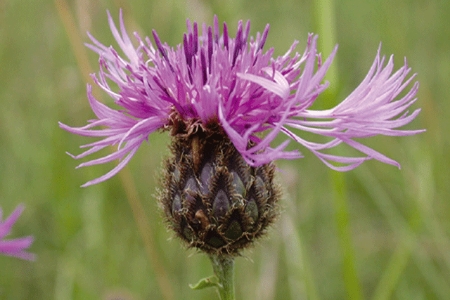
[[253, 96], [14, 247]]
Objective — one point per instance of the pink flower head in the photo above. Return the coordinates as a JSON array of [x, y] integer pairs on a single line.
[[252, 95], [14, 247]]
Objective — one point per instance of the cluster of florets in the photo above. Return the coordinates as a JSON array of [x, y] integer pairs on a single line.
[[253, 96]]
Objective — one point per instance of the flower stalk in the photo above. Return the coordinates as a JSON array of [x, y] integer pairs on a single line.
[[223, 267]]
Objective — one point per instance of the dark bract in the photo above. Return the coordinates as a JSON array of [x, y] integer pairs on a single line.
[[211, 197]]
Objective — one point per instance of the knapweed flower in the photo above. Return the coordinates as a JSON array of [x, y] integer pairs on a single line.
[[15, 247], [224, 100]]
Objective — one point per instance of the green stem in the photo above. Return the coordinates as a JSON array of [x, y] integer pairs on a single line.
[[393, 271], [326, 28], [351, 280], [325, 18], [223, 267]]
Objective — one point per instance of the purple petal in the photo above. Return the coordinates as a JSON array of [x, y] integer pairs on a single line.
[[15, 247], [253, 95]]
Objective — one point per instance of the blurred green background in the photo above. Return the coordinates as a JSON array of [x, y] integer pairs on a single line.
[[389, 239]]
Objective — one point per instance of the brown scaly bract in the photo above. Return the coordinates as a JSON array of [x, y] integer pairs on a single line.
[[211, 197]]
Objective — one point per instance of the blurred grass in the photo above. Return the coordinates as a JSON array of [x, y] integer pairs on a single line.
[[88, 243]]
